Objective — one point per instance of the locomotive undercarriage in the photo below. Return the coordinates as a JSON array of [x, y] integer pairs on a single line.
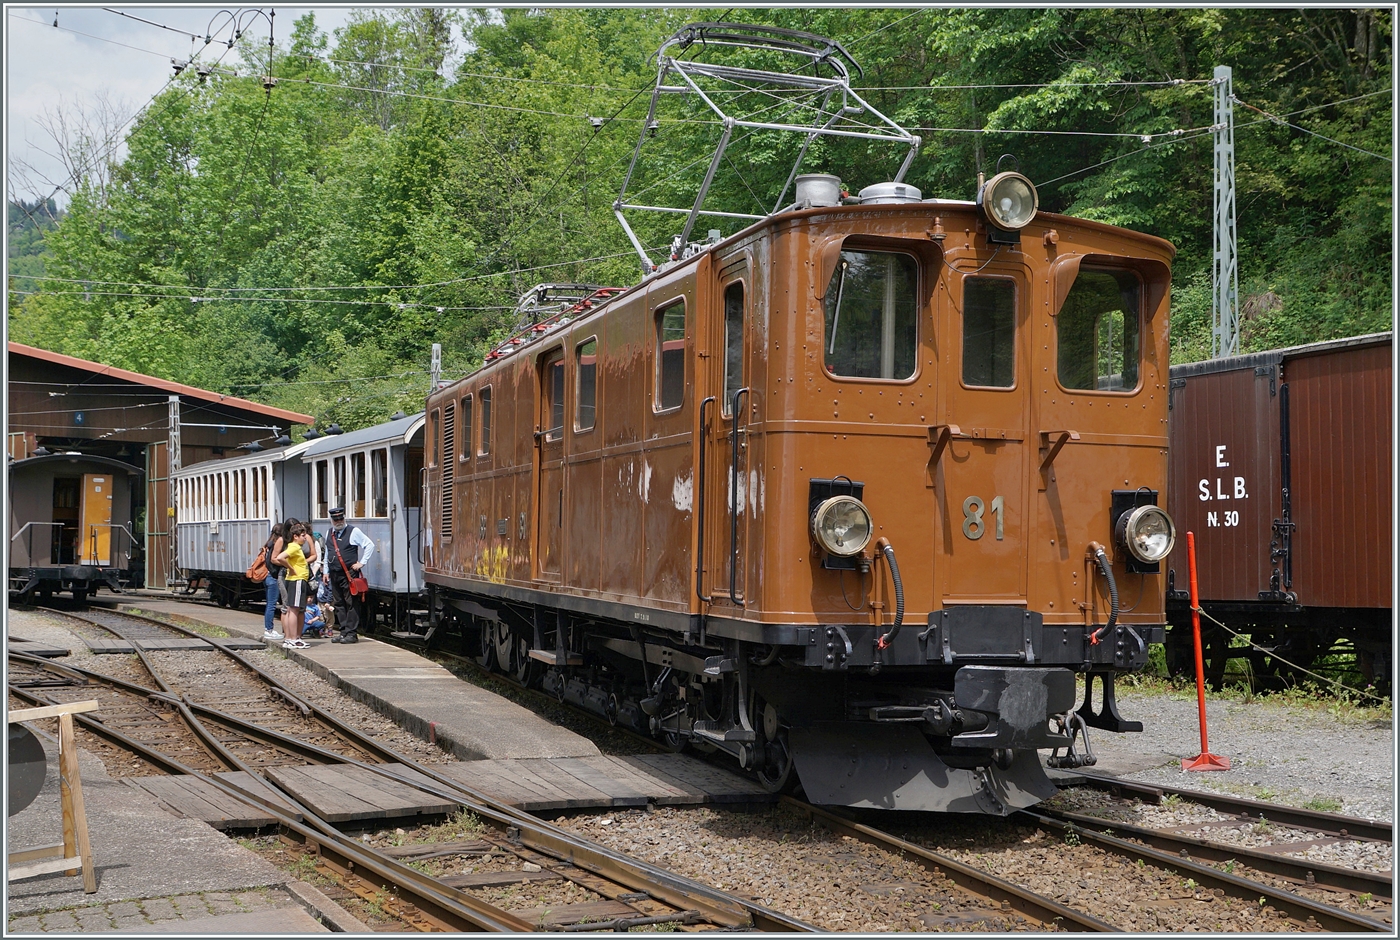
[[959, 737]]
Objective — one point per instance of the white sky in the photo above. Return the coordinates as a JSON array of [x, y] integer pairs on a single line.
[[48, 68]]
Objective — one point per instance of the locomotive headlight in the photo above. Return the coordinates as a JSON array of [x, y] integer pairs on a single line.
[[1147, 532], [1009, 201], [841, 526]]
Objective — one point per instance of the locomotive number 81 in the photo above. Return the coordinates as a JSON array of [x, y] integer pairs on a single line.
[[850, 495]]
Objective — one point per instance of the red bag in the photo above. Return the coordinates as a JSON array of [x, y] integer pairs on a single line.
[[359, 587], [257, 571]]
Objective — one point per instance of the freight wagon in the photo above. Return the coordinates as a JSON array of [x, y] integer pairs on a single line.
[[1281, 464]]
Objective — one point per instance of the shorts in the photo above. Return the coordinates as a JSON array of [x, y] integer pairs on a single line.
[[296, 594]]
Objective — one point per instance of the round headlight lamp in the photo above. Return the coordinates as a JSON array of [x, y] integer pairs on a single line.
[[1147, 532], [841, 525], [1009, 201]]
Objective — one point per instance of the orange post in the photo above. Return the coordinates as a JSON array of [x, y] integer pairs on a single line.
[[1204, 760]]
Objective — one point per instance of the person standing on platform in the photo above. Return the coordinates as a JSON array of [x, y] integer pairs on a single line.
[[273, 582], [298, 554], [348, 550]]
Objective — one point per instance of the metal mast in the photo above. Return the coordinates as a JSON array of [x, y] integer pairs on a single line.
[[1225, 307], [172, 572]]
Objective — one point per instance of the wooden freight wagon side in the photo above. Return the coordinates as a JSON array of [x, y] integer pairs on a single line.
[[1281, 466]]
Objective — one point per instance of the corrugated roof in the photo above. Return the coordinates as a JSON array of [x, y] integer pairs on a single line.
[[98, 368]]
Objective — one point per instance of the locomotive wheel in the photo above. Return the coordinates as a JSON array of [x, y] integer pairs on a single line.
[[505, 649], [486, 645], [525, 672], [776, 774]]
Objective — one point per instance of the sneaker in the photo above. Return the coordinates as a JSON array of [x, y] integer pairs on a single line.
[[290, 645], [274, 636], [300, 645]]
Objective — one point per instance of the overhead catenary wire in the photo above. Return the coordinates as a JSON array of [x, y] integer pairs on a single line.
[[1275, 119]]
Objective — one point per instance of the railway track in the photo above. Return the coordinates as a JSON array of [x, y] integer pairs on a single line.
[[1280, 882], [638, 894]]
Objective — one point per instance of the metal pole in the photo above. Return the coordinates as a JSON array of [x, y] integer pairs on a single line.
[[173, 501], [1225, 310], [436, 367]]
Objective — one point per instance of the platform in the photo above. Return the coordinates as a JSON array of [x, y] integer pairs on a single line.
[[194, 797]]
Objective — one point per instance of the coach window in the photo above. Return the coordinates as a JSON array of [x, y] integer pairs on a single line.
[[554, 394], [466, 449], [322, 488], [357, 486], [670, 356], [379, 479], [733, 343], [989, 332], [586, 395], [485, 421], [338, 493], [872, 324], [263, 509], [1098, 336]]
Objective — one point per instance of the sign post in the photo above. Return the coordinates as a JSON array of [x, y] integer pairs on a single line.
[[1204, 760]]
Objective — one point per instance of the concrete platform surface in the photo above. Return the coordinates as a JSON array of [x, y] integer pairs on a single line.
[[139, 850], [415, 693], [277, 921]]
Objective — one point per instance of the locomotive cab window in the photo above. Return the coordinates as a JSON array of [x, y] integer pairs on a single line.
[[733, 344], [485, 422], [1098, 330], [554, 395], [872, 328], [670, 356], [989, 332], [586, 395], [466, 449]]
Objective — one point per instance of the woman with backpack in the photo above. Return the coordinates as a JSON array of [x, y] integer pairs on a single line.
[[272, 581]]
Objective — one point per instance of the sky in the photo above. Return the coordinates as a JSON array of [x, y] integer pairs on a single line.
[[122, 59]]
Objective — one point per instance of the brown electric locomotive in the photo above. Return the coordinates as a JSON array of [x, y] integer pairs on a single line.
[[854, 493]]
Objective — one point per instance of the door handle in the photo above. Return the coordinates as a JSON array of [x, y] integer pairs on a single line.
[[938, 437], [1052, 442]]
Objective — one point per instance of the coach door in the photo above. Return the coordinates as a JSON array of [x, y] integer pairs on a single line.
[[549, 440], [96, 531], [983, 507], [726, 484]]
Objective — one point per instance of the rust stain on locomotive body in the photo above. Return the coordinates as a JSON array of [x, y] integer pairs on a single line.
[[985, 401]]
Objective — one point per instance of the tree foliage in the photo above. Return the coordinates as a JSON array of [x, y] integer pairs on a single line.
[[398, 186]]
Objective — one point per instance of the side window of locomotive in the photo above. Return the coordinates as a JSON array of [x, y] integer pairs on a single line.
[[485, 421], [872, 326], [670, 356], [733, 343], [1098, 332], [586, 395], [379, 475], [432, 435], [466, 449], [554, 395], [989, 332]]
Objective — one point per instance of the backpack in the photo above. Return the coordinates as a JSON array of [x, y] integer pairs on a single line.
[[257, 571]]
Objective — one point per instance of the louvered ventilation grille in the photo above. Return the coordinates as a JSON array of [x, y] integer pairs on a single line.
[[449, 465]]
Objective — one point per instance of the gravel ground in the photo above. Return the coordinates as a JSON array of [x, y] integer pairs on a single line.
[[1307, 755]]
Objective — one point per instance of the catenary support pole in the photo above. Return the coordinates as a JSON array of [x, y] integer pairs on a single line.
[[1225, 308]]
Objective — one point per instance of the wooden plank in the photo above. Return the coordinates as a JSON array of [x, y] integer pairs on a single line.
[[660, 791], [459, 847], [593, 911], [34, 854], [33, 648], [242, 779], [51, 711], [545, 772], [690, 793], [179, 798], [108, 646], [483, 776], [46, 868], [331, 805], [620, 792], [154, 644], [721, 786], [495, 879], [381, 791], [238, 812]]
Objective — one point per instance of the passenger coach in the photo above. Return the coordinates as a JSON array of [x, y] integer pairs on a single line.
[[858, 489]]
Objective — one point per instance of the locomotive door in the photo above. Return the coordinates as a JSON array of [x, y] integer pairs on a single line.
[[549, 440], [983, 504], [96, 515], [726, 488]]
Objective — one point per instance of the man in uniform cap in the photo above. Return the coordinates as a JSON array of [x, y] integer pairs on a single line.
[[348, 550]]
